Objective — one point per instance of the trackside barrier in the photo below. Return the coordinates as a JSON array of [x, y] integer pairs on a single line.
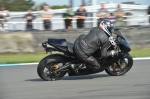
[[5, 22]]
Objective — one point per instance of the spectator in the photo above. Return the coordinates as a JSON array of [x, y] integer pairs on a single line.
[[102, 13], [68, 14], [3, 16], [46, 14], [119, 16], [29, 17], [81, 15], [148, 12]]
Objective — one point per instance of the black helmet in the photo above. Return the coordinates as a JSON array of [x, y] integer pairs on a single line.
[[107, 26]]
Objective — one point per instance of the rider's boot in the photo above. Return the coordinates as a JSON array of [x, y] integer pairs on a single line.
[[96, 68], [75, 68]]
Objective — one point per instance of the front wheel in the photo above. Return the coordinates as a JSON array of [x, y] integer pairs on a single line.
[[47, 67], [121, 67]]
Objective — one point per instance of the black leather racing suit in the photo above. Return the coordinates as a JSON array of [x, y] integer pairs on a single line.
[[86, 45]]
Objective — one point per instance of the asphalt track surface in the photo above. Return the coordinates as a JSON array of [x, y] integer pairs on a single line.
[[22, 82]]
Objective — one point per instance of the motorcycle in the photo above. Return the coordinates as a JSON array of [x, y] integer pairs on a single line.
[[56, 65]]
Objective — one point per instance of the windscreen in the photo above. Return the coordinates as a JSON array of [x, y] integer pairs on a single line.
[[118, 33]]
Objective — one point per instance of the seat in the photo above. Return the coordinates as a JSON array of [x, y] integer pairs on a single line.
[[61, 44], [70, 47], [58, 42]]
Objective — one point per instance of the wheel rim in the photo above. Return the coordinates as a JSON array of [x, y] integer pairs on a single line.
[[119, 67], [49, 70]]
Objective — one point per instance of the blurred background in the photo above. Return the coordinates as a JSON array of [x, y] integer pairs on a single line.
[[25, 24]]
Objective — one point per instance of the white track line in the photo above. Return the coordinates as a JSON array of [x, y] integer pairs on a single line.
[[21, 64], [29, 63], [145, 58]]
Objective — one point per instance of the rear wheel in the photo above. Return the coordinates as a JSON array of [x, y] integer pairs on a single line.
[[121, 67], [47, 67]]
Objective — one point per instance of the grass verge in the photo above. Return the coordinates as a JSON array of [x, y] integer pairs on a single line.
[[140, 53], [36, 57], [21, 58]]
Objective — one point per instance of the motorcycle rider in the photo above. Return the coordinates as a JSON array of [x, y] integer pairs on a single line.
[[97, 38]]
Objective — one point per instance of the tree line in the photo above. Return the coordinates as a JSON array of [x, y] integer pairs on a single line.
[[23, 5]]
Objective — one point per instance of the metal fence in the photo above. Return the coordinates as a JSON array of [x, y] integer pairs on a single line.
[[11, 24]]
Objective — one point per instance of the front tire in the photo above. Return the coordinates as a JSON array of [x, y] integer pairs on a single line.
[[119, 69], [47, 64]]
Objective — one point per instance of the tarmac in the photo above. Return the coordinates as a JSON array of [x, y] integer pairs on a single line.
[[22, 82]]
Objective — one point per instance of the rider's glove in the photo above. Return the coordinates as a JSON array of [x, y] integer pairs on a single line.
[[113, 53]]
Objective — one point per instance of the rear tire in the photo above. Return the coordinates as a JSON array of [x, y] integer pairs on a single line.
[[126, 69], [47, 63]]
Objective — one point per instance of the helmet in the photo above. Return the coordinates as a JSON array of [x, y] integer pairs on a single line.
[[107, 26]]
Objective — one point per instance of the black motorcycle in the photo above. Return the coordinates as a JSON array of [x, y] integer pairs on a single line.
[[55, 66]]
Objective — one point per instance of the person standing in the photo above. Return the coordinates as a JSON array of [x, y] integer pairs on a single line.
[[81, 15], [119, 14], [68, 14], [102, 13], [46, 15], [148, 12], [4, 14], [29, 17]]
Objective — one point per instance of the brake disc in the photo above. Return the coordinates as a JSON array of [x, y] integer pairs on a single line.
[[114, 66], [123, 64], [56, 66]]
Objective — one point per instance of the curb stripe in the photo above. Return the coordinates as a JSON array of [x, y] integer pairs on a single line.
[[145, 58], [18, 64], [21, 64]]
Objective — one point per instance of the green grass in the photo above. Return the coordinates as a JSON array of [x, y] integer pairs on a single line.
[[36, 57], [140, 53], [21, 58]]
